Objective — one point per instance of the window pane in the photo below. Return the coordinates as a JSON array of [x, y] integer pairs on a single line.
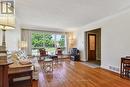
[[48, 41], [92, 42]]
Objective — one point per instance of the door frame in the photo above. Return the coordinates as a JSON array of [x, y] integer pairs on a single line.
[[86, 42]]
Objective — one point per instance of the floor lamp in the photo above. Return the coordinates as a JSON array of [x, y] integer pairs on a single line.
[[6, 23]]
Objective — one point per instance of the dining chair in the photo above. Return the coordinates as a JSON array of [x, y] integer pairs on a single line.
[[43, 53], [47, 61], [125, 67], [59, 53]]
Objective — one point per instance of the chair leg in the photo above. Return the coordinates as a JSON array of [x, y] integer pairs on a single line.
[[52, 65], [128, 73]]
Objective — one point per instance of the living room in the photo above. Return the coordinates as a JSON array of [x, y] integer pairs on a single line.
[[68, 21]]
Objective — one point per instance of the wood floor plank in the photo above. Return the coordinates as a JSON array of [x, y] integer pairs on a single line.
[[76, 74]]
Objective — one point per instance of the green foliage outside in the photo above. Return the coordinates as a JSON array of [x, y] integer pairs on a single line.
[[47, 41], [42, 40], [62, 41]]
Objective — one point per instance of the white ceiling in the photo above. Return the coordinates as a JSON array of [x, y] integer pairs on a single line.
[[66, 14]]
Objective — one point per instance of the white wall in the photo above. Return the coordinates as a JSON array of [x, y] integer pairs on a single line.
[[115, 39]]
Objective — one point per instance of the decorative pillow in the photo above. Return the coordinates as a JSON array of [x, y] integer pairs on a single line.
[[21, 55], [14, 56], [24, 61]]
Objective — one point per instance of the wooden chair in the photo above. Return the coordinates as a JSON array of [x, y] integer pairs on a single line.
[[59, 53], [125, 67], [46, 60], [43, 53]]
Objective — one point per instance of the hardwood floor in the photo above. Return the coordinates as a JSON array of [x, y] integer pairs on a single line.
[[76, 74]]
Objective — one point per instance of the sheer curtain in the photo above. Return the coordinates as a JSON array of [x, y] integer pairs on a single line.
[[67, 42], [26, 35]]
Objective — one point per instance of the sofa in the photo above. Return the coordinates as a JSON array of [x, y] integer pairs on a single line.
[[21, 58]]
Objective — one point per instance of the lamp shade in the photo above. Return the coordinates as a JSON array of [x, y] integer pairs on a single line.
[[23, 44], [7, 22]]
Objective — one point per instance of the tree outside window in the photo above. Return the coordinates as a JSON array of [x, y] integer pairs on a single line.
[[48, 41]]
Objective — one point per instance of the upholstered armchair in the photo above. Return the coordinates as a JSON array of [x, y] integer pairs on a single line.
[[74, 54], [43, 53]]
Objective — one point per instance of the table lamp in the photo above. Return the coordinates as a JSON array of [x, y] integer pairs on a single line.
[[22, 45], [6, 23], [7, 19]]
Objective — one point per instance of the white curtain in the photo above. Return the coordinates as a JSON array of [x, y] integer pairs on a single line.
[[26, 35], [70, 40], [67, 42]]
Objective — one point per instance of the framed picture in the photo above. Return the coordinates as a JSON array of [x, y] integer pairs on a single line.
[[7, 7]]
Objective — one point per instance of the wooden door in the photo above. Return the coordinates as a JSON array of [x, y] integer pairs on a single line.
[[91, 46]]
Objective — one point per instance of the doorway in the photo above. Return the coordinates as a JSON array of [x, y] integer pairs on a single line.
[[93, 47]]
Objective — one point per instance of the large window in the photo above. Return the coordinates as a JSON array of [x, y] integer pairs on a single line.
[[47, 40]]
